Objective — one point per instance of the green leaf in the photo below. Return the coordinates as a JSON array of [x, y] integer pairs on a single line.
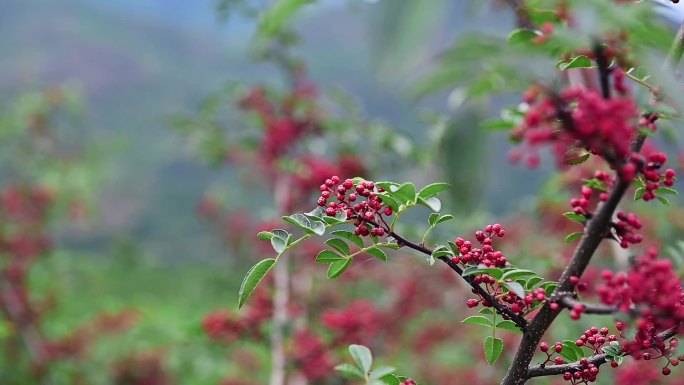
[[477, 270], [327, 256], [487, 310], [381, 372], [445, 218], [508, 325], [388, 200], [639, 193], [572, 236], [338, 267], [264, 235], [663, 200], [666, 190], [532, 282], [516, 288], [433, 189], [575, 156], [362, 356], [338, 245], [340, 217], [392, 379], [549, 287], [433, 203], [275, 18], [441, 251], [432, 219], [252, 279], [305, 224], [497, 125], [374, 251], [406, 193], [517, 273], [348, 235], [580, 61], [493, 348], [521, 36], [350, 370], [478, 320], [280, 240], [574, 352], [575, 217]]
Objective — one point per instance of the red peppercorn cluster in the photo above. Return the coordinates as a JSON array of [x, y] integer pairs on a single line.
[[508, 298], [666, 354], [594, 339], [285, 122], [582, 205], [550, 359], [486, 255], [578, 118], [653, 288], [649, 167], [585, 375], [310, 355], [359, 201], [222, 326], [357, 323], [626, 227]]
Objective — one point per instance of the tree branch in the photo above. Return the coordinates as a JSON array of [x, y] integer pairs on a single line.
[[519, 321], [568, 301], [598, 360]]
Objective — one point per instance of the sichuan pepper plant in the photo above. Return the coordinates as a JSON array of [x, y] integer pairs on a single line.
[[605, 102], [45, 182]]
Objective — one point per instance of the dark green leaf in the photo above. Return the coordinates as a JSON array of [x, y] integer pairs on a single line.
[[264, 235], [338, 267], [576, 62], [348, 235], [521, 35], [508, 325], [327, 256], [432, 219], [477, 270], [388, 200], [497, 125], [362, 356], [575, 217], [532, 282], [391, 379], [406, 193], [338, 245], [666, 190], [549, 287], [433, 189], [252, 279], [441, 251], [493, 348], [663, 200], [639, 193], [374, 251], [572, 236], [517, 273], [478, 320]]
